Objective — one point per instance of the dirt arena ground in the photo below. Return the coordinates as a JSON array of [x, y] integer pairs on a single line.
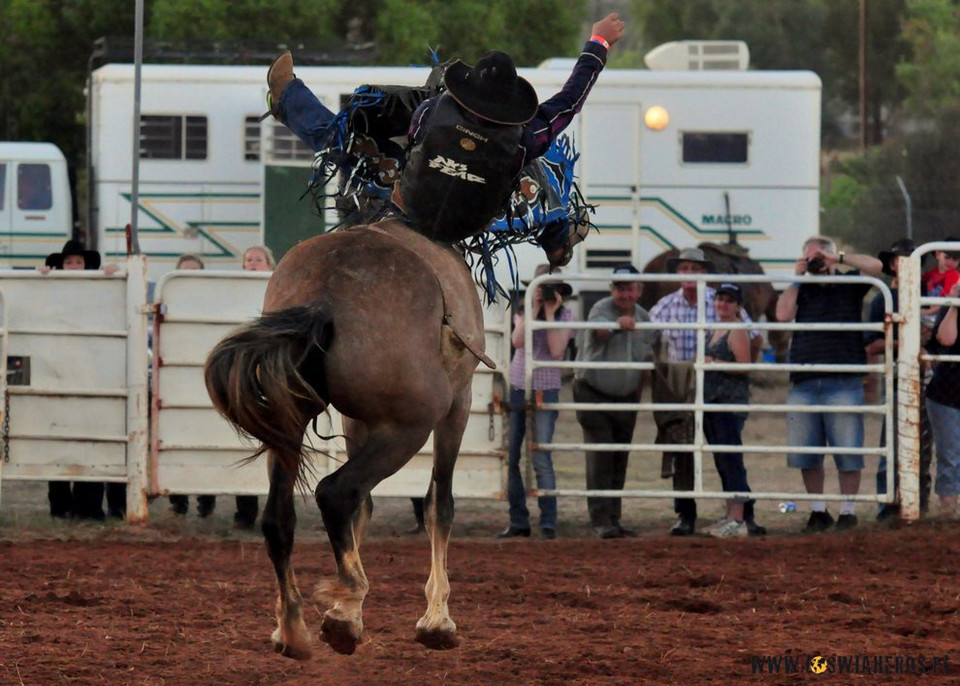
[[146, 609], [190, 601]]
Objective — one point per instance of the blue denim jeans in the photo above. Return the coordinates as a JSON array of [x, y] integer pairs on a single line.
[[304, 114], [823, 429], [945, 421], [545, 421], [726, 428]]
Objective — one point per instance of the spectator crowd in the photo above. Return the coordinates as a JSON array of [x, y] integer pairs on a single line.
[[655, 351]]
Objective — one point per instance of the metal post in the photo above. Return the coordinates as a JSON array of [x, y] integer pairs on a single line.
[[908, 203], [909, 388], [135, 176], [137, 413], [863, 74], [698, 435]]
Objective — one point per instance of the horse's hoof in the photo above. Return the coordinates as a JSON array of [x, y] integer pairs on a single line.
[[291, 650], [438, 639], [340, 635]]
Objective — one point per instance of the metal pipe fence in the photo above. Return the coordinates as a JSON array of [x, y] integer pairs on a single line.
[[700, 446]]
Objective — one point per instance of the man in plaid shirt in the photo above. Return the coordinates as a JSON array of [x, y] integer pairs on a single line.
[[674, 383]]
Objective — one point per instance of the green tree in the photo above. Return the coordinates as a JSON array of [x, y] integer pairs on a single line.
[[884, 50], [530, 31], [781, 34], [932, 77], [45, 46], [239, 21]]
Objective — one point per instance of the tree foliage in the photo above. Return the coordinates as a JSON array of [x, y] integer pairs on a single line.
[[932, 77], [242, 20], [530, 31]]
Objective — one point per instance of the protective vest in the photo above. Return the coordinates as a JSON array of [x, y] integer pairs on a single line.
[[459, 175]]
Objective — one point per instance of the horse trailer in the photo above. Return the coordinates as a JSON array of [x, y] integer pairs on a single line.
[[670, 158]]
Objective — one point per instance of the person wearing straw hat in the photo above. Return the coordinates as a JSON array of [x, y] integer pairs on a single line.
[[674, 381]]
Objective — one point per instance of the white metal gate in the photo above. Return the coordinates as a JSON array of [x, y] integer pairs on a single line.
[[78, 410], [912, 358], [195, 451], [699, 446]]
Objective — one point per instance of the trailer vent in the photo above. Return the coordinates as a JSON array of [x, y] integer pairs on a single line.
[[699, 55], [606, 259]]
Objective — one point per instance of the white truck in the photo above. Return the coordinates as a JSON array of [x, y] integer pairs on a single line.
[[36, 212], [671, 158]]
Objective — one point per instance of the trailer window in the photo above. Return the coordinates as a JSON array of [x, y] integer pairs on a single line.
[[34, 190], [724, 148], [286, 147], [251, 139], [173, 137]]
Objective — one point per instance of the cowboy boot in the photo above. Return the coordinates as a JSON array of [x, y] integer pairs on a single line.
[[279, 76]]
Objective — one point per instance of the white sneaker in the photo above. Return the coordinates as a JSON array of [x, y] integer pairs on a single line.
[[729, 529], [719, 524]]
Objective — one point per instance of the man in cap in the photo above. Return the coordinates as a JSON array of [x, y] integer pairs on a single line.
[[446, 190], [876, 347], [675, 382], [607, 470], [809, 303]]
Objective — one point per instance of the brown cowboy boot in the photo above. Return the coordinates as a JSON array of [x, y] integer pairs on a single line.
[[279, 76]]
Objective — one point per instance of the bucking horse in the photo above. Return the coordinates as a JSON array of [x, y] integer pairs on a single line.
[[386, 326]]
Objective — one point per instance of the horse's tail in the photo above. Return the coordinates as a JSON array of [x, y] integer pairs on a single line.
[[267, 378]]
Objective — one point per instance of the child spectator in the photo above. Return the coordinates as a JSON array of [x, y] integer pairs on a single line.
[[179, 504], [939, 280]]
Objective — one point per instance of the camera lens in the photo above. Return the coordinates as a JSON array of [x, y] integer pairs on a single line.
[[549, 292]]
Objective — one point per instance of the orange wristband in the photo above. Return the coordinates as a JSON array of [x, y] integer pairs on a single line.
[[597, 38]]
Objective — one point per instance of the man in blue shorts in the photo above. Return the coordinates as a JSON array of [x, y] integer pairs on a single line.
[[819, 303]]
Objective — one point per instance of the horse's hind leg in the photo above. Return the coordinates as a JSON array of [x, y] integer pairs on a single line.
[[340, 497], [435, 629], [291, 637]]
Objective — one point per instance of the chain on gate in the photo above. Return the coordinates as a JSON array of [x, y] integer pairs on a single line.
[[6, 426]]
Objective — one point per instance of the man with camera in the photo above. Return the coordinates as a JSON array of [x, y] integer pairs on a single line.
[[810, 303]]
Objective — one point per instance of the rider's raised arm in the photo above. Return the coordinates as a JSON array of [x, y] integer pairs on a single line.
[[556, 113]]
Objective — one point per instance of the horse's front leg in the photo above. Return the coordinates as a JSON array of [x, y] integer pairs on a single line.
[[340, 497], [291, 637], [436, 629]]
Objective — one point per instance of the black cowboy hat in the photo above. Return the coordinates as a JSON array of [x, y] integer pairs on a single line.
[[902, 248], [564, 289], [492, 90], [91, 258], [689, 255]]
